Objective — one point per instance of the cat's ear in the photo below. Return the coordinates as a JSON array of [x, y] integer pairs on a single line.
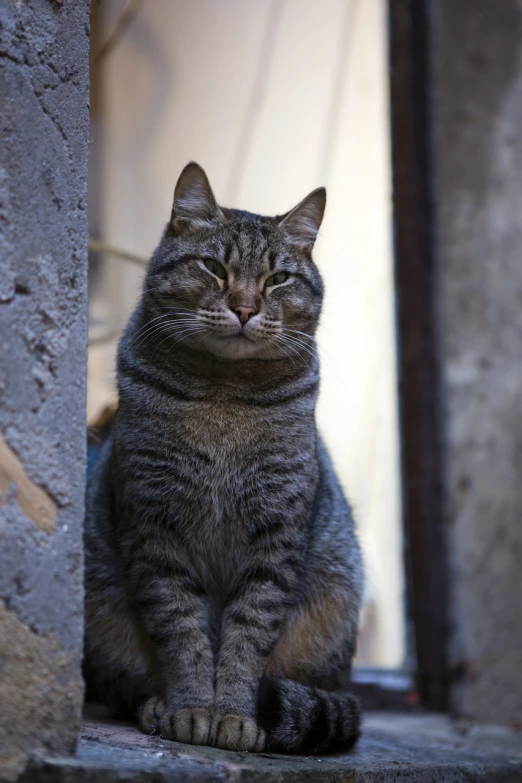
[[302, 223], [194, 202]]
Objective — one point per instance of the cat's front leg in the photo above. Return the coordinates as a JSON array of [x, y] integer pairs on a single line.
[[171, 604], [256, 610]]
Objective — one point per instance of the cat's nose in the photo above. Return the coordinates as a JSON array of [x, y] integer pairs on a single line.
[[244, 313]]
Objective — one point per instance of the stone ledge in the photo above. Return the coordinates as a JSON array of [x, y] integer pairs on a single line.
[[394, 747]]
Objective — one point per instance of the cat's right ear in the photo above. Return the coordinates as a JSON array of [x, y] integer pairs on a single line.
[[194, 201]]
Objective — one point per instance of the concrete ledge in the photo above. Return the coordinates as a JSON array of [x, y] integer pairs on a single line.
[[427, 749]]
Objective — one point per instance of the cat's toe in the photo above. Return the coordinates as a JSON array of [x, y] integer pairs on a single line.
[[235, 732], [191, 725], [150, 715]]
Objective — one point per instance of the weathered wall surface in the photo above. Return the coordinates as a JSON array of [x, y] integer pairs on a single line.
[[478, 146], [43, 332]]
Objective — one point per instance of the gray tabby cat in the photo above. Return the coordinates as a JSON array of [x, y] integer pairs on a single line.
[[223, 575]]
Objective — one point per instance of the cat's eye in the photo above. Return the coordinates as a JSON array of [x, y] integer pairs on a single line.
[[216, 268], [277, 279]]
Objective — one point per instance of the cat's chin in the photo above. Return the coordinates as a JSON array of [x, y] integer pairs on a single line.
[[236, 347]]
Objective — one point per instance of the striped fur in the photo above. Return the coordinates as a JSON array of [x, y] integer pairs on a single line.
[[301, 718], [223, 575]]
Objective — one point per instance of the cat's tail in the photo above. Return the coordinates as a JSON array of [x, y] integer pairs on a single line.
[[301, 719]]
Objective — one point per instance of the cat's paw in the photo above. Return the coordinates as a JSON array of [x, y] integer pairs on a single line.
[[150, 714], [235, 732], [189, 725]]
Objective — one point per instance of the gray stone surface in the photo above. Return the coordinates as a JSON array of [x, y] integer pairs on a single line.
[[43, 326], [478, 149], [420, 749]]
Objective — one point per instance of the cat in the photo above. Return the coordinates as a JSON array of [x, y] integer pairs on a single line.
[[223, 574]]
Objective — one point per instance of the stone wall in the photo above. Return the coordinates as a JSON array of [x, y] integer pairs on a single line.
[[477, 101], [43, 327]]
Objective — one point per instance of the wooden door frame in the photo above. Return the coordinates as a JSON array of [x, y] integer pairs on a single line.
[[418, 369], [418, 364]]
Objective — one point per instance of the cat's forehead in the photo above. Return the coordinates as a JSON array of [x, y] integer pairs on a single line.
[[250, 241]]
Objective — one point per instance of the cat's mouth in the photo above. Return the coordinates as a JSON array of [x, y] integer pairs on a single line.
[[242, 336], [236, 345], [243, 332]]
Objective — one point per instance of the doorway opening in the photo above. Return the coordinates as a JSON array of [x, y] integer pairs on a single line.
[[273, 99]]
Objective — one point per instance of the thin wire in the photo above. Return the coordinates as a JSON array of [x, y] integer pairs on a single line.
[[99, 246], [123, 22]]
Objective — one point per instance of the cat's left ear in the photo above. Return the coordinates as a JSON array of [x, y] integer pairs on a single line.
[[194, 202], [302, 223]]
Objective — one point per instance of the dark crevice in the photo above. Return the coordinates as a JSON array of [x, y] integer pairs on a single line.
[[21, 289]]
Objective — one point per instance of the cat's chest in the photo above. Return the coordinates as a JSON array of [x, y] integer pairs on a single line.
[[210, 455], [219, 472], [217, 463], [222, 445], [218, 430]]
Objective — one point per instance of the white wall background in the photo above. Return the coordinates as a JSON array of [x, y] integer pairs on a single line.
[[273, 98]]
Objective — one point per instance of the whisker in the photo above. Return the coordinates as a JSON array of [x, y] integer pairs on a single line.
[[299, 339], [149, 326], [282, 341], [155, 328], [186, 332], [200, 341], [287, 354], [296, 331], [145, 326], [298, 343]]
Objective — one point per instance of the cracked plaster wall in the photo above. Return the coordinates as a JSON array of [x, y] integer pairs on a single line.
[[44, 122], [478, 147]]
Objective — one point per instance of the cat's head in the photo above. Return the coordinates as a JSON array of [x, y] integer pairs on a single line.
[[232, 283]]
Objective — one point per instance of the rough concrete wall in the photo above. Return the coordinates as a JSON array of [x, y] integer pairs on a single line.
[[478, 146], [43, 327]]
